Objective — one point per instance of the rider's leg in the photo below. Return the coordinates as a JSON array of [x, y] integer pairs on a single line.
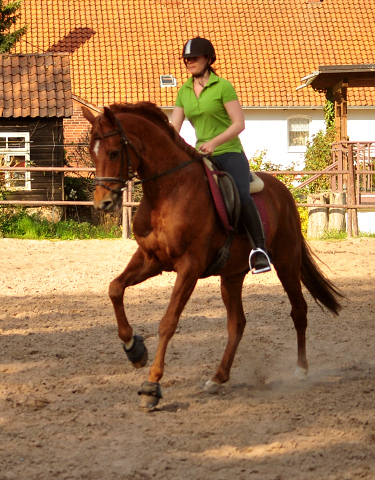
[[237, 165], [259, 261]]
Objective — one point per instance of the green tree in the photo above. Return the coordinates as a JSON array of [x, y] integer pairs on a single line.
[[318, 153], [8, 18], [318, 156]]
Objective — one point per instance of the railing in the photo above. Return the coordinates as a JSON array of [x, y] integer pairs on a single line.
[[352, 171], [127, 196], [355, 176]]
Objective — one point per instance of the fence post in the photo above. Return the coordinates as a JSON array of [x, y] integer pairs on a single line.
[[352, 223], [336, 216], [125, 223], [127, 211], [318, 216], [130, 199]]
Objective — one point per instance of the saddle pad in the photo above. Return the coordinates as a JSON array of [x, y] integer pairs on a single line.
[[256, 184], [259, 202], [218, 198]]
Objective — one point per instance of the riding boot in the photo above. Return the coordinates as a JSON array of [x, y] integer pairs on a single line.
[[259, 261]]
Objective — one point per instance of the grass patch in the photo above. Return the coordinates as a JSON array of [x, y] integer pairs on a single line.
[[22, 225], [333, 235], [336, 235]]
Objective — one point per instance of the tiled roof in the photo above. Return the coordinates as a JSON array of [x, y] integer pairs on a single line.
[[119, 48], [36, 85]]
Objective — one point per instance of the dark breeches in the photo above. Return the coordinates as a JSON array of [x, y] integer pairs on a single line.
[[237, 165]]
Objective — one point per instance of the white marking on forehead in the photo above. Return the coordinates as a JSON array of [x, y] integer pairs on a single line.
[[96, 147]]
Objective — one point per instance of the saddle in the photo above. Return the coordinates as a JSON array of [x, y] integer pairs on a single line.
[[225, 193], [228, 206]]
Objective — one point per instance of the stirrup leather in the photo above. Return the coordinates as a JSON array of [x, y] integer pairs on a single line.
[[267, 268]]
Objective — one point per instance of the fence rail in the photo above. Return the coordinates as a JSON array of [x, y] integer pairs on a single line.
[[352, 205]]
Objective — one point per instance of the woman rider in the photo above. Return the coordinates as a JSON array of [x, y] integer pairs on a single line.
[[211, 104]]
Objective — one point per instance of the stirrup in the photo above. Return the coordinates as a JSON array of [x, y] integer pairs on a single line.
[[264, 269]]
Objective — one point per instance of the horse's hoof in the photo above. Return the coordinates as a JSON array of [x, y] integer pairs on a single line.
[[212, 387], [137, 353], [148, 402], [150, 395], [300, 373]]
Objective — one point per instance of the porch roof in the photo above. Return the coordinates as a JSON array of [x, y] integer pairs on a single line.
[[330, 76]]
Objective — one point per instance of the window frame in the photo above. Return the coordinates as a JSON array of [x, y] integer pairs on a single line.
[[9, 152], [297, 148]]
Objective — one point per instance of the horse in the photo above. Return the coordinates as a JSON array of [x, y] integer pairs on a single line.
[[177, 228]]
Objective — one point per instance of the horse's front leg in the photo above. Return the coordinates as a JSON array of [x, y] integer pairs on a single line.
[[231, 292], [150, 391], [139, 268]]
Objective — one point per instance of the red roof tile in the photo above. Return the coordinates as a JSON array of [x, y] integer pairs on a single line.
[[30, 84], [118, 49]]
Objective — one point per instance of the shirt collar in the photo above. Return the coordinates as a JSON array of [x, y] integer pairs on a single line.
[[212, 79]]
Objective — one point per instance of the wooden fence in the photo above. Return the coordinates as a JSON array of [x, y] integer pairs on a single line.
[[352, 171]]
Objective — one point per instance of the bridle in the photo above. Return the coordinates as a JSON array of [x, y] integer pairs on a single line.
[[125, 155]]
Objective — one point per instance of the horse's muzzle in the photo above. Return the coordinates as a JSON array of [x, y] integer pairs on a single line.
[[109, 202]]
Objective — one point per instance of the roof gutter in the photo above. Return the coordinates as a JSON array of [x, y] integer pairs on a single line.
[[267, 107]]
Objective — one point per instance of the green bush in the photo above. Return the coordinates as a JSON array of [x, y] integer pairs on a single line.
[[318, 156], [19, 224]]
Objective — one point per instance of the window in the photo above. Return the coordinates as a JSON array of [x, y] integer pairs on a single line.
[[15, 152], [168, 81], [298, 131]]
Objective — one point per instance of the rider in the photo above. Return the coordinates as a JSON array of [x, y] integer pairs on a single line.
[[211, 105]]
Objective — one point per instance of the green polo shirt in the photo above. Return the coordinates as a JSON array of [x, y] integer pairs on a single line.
[[207, 113]]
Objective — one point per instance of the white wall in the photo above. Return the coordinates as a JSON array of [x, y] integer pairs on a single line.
[[267, 129], [361, 124]]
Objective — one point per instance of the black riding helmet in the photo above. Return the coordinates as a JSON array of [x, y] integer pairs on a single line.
[[199, 46]]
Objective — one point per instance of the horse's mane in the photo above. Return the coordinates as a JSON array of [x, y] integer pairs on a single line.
[[153, 113]]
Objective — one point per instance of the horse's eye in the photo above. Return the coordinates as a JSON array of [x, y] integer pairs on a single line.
[[114, 154]]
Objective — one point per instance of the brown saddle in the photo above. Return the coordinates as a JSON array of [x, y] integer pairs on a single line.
[[229, 192], [228, 206]]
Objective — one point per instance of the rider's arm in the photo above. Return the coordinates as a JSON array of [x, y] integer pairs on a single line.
[[177, 118], [236, 115]]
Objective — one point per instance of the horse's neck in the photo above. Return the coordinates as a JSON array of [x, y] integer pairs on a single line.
[[162, 153]]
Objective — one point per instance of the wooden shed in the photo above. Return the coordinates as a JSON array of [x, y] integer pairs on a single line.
[[35, 97]]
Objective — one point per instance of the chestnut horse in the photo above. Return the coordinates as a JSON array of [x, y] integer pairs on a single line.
[[177, 229]]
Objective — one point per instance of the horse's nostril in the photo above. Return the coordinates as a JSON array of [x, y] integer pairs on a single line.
[[106, 205]]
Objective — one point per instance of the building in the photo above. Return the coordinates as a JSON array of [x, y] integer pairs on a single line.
[[35, 97]]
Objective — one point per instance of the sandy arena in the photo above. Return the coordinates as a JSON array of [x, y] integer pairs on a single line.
[[68, 395]]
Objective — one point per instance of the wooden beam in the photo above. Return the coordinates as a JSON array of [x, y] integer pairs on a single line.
[[341, 109], [337, 87]]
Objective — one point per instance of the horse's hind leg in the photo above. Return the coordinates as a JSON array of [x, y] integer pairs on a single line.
[[231, 292], [139, 268], [290, 279]]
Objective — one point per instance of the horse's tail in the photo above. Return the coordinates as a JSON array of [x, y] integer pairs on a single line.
[[322, 290]]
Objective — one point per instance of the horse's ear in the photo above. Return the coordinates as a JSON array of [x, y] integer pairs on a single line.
[[88, 114], [109, 115]]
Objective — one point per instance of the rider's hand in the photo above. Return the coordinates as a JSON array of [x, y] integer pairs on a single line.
[[208, 148]]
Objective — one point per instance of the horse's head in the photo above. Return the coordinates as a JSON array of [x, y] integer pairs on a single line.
[[116, 158]]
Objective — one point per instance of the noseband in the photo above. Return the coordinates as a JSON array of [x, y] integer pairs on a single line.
[[125, 155]]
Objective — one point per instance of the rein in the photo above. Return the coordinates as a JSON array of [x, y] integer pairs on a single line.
[[182, 165], [125, 143]]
